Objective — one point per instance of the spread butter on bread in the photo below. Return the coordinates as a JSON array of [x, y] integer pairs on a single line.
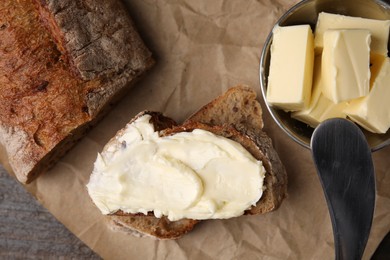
[[62, 65], [243, 176]]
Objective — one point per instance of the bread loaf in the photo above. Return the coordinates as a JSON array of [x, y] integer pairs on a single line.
[[235, 115], [62, 65]]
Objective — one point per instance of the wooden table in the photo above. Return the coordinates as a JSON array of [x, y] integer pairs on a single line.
[[27, 230]]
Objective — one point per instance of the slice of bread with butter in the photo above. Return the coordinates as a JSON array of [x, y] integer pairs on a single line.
[[159, 179]]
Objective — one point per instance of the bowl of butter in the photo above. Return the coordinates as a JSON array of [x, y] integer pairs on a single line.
[[329, 59]]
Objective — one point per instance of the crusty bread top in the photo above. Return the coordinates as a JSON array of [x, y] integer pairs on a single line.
[[98, 36], [52, 77], [237, 107]]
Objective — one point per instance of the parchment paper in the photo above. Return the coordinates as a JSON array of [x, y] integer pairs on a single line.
[[202, 48]]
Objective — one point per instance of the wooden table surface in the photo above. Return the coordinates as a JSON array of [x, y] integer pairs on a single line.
[[29, 231]]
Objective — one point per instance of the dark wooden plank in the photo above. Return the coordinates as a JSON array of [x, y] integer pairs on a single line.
[[27, 230]]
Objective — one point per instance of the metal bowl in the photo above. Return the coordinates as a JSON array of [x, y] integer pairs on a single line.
[[306, 12]]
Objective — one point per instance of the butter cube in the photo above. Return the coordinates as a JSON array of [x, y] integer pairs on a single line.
[[346, 64], [373, 112], [379, 29], [291, 68], [320, 108]]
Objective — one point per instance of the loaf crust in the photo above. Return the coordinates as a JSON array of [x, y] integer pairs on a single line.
[[148, 225], [63, 64]]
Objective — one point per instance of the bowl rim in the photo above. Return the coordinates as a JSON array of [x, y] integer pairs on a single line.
[[263, 85]]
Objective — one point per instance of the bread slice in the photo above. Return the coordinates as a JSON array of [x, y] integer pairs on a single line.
[[63, 64], [237, 107], [242, 123]]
